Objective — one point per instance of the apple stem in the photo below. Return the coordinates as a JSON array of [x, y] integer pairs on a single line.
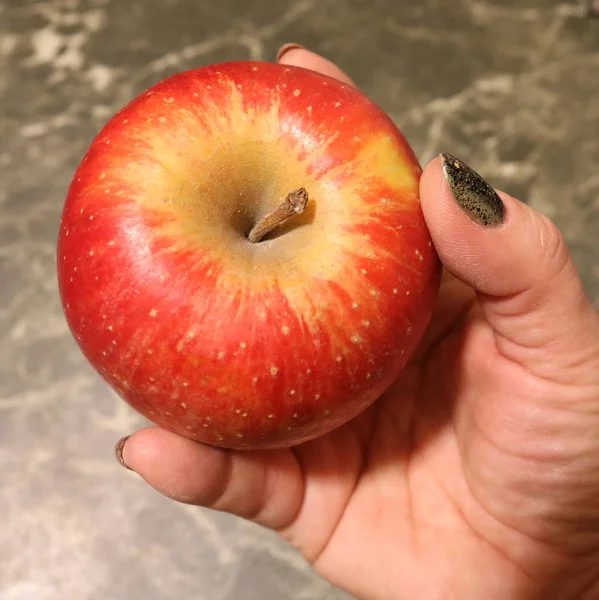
[[294, 204]]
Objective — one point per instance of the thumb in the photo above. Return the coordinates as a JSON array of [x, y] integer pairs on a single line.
[[518, 263]]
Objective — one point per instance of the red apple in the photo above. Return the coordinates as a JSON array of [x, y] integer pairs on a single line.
[[239, 343]]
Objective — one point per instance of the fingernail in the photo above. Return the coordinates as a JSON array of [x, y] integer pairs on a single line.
[[118, 452], [285, 48], [472, 193]]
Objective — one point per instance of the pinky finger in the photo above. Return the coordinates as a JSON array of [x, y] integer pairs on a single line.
[[263, 486]]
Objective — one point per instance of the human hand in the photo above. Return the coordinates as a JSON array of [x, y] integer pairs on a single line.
[[476, 475]]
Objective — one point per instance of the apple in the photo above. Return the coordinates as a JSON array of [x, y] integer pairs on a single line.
[[243, 257]]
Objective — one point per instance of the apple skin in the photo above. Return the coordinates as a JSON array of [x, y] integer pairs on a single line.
[[235, 344]]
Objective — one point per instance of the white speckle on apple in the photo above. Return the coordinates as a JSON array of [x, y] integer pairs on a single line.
[[296, 93], [255, 380], [188, 427], [308, 371], [364, 271], [395, 290], [221, 355], [239, 86], [242, 345], [125, 121], [170, 100], [80, 211], [107, 141], [150, 351], [273, 370], [295, 415], [102, 175], [368, 375], [327, 412], [114, 342], [355, 305], [183, 405], [244, 415], [271, 416], [110, 328], [325, 83], [337, 104], [205, 425], [418, 254], [107, 191], [339, 358], [238, 410], [111, 243], [96, 278], [185, 384], [285, 330], [191, 334], [357, 139], [151, 379], [75, 269], [78, 179], [208, 419], [104, 353], [408, 293], [409, 330], [180, 347], [162, 119], [384, 200], [291, 392], [70, 279], [254, 68], [366, 323], [374, 292], [317, 397], [356, 339], [209, 272], [153, 312], [91, 252], [309, 109]]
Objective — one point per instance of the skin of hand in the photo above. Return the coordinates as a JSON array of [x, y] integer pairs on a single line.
[[476, 475]]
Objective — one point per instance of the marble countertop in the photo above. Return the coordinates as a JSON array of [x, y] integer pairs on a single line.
[[510, 87]]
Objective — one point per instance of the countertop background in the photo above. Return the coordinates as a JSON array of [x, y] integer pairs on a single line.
[[511, 86]]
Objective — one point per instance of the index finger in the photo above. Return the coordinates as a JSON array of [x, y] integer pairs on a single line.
[[297, 56]]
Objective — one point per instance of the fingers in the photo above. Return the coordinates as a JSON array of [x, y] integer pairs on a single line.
[[515, 259], [295, 55], [266, 487]]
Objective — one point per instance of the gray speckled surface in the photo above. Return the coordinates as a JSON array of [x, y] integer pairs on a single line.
[[511, 87]]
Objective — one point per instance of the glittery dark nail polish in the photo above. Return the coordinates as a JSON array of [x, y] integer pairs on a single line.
[[118, 452], [472, 193]]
